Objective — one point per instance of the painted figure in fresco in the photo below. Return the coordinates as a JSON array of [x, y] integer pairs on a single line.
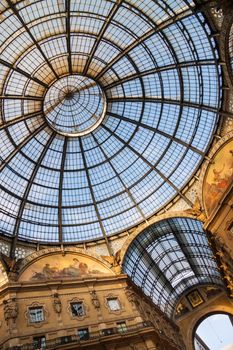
[[50, 272], [219, 177], [72, 270], [75, 269], [83, 268], [217, 174]]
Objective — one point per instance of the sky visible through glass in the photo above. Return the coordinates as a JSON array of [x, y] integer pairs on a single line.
[[170, 257], [157, 65], [217, 332]]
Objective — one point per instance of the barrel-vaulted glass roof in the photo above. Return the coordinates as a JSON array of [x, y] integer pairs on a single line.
[[128, 126], [170, 257], [230, 48]]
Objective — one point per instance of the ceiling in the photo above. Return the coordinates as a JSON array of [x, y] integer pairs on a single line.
[[107, 110], [169, 258]]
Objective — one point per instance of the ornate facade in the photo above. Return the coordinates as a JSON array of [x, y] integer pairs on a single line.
[[116, 228], [73, 300]]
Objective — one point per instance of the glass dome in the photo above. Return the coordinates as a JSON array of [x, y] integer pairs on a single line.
[[107, 110], [74, 105]]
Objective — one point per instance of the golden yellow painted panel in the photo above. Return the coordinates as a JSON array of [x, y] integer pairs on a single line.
[[3, 275], [218, 177], [57, 266], [195, 298]]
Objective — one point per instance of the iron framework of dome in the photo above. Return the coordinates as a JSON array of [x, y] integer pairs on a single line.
[[107, 110]]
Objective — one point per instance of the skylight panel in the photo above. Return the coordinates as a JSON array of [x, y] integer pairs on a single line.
[[107, 110]]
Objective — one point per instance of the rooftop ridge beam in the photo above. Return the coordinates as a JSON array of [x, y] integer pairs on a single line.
[[93, 198], [150, 165], [144, 37], [101, 34], [20, 146], [121, 181], [156, 130], [21, 71], [68, 36], [20, 119], [164, 100], [60, 190], [21, 97], [160, 69]]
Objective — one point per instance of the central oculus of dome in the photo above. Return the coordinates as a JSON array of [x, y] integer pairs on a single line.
[[74, 105]]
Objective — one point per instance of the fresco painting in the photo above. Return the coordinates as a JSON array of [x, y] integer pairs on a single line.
[[219, 177], [59, 267]]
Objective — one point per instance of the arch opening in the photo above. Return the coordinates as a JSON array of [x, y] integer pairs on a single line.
[[170, 257], [214, 332]]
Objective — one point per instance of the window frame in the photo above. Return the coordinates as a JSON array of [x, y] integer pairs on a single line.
[[86, 333], [41, 345], [39, 309], [81, 306], [113, 297]]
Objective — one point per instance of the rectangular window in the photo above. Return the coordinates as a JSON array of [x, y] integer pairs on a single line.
[[121, 327], [83, 334], [77, 309], [36, 314], [113, 304], [39, 342]]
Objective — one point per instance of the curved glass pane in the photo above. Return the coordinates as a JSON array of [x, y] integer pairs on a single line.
[[88, 163], [169, 257], [230, 47]]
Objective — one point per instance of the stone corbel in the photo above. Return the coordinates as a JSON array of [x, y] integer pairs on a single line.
[[10, 309]]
